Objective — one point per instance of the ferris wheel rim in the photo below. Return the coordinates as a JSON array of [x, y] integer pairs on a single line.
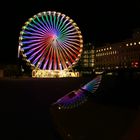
[[63, 44]]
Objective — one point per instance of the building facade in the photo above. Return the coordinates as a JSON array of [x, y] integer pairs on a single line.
[[86, 62], [116, 56], [122, 55]]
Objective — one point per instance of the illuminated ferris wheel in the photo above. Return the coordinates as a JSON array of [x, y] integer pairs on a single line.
[[50, 41]]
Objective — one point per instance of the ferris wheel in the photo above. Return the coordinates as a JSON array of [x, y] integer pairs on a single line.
[[50, 41]]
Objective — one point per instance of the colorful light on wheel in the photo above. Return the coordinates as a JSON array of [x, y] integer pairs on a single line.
[[50, 40]]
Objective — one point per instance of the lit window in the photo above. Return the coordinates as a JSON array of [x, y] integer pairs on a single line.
[[135, 43], [131, 44], [101, 49], [96, 50], [127, 44], [86, 65], [107, 48], [125, 66], [139, 42], [104, 49], [110, 48]]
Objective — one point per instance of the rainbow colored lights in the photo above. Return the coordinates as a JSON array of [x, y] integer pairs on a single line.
[[80, 96], [50, 41], [93, 85]]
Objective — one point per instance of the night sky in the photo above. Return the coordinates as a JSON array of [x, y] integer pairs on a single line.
[[100, 22]]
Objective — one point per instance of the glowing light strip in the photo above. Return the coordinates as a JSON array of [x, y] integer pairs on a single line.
[[77, 97]]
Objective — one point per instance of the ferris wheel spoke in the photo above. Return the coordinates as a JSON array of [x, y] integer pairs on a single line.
[[55, 61], [29, 45], [62, 58], [29, 41], [46, 28], [47, 59], [75, 40], [38, 46], [73, 50], [57, 22], [38, 26], [65, 53], [71, 42], [68, 53], [63, 26], [36, 29], [31, 37], [50, 60], [60, 21], [51, 21], [32, 56], [48, 23], [70, 49], [32, 31], [54, 20], [45, 51], [70, 32], [76, 36], [39, 57], [68, 25], [68, 35], [66, 29], [69, 45], [57, 57]]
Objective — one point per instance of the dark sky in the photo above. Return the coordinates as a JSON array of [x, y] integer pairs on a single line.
[[100, 21]]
